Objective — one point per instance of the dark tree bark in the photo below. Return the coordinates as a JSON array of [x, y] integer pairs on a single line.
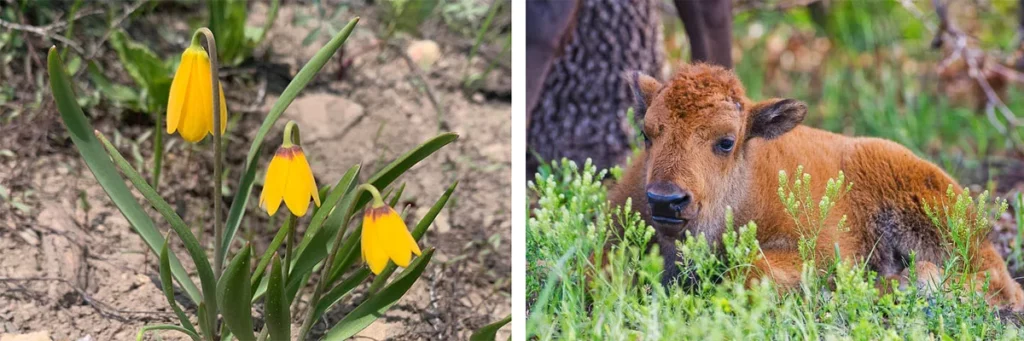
[[580, 113]]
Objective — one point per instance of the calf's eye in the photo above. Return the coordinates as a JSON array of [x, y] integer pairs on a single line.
[[725, 145]]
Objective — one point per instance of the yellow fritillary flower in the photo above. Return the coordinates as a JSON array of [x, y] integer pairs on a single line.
[[289, 179], [190, 104], [385, 237]]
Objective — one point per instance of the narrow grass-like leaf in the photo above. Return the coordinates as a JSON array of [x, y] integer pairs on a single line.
[[237, 209], [278, 316], [96, 158], [168, 285], [397, 196], [396, 168], [144, 329], [490, 331], [234, 293], [374, 307], [335, 295], [345, 185], [298, 83], [271, 250], [195, 250], [205, 322]]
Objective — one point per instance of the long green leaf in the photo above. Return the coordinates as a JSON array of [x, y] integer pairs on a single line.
[[345, 185], [167, 282], [335, 295], [490, 331], [237, 210], [233, 295], [396, 168], [205, 322], [195, 250], [271, 250], [278, 316], [374, 307], [143, 330], [297, 84], [96, 158]]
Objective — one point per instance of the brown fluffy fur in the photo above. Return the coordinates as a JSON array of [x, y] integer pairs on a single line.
[[886, 221]]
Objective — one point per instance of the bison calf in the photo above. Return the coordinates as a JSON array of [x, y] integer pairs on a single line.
[[709, 147]]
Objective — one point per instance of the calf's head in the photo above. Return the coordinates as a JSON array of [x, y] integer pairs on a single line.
[[697, 128]]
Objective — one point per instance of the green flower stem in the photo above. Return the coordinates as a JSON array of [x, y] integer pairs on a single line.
[[378, 201], [325, 270], [292, 219], [158, 150], [218, 159], [291, 135]]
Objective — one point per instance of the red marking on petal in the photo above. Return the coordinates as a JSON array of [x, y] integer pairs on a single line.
[[375, 213]]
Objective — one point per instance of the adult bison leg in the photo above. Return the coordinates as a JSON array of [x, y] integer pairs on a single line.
[[709, 27], [1004, 291], [779, 266]]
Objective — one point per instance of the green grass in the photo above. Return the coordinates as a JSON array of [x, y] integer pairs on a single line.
[[570, 298]]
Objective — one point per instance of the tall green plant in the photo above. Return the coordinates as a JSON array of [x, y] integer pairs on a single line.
[[225, 296]]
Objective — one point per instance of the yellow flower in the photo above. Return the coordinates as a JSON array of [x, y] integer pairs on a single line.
[[190, 104], [289, 179], [385, 237]]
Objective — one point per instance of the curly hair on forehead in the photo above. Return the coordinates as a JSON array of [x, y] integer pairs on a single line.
[[698, 86]]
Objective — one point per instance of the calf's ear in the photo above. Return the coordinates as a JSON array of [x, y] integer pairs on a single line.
[[644, 88], [772, 118]]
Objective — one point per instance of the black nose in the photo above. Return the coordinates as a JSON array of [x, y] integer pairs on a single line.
[[667, 201]]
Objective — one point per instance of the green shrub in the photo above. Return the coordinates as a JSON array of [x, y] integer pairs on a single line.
[[570, 297]]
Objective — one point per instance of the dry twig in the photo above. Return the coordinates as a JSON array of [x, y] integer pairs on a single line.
[[948, 34]]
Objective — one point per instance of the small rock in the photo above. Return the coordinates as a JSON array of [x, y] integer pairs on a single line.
[[35, 336], [29, 237], [424, 52], [478, 98]]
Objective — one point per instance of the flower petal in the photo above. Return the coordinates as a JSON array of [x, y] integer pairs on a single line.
[[179, 91], [223, 110], [198, 116], [310, 180], [397, 238], [296, 193], [274, 184], [373, 251]]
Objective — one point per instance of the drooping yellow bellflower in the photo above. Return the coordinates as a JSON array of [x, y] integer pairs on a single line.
[[289, 179], [190, 104], [385, 237]]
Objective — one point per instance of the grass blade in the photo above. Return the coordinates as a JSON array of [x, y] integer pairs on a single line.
[[294, 87], [96, 158], [195, 250], [271, 250], [233, 295], [278, 316], [143, 330], [344, 186], [167, 282], [374, 307], [490, 331], [237, 209]]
